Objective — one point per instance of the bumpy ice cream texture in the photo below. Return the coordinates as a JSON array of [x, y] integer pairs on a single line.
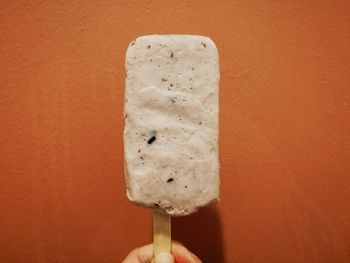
[[171, 122]]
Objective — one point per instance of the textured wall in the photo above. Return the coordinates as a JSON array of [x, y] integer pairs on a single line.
[[285, 130]]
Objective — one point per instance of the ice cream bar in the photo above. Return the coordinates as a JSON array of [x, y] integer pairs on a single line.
[[171, 122]]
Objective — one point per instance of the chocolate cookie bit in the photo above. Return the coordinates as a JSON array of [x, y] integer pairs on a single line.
[[152, 139], [170, 180]]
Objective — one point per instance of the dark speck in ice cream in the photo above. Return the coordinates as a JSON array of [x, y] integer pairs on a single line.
[[152, 139], [170, 180]]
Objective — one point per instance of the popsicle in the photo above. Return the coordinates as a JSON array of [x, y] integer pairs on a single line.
[[171, 123]]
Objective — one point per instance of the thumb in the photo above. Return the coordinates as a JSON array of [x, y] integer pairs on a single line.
[[164, 257]]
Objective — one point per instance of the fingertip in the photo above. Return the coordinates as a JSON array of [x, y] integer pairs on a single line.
[[182, 254], [195, 258]]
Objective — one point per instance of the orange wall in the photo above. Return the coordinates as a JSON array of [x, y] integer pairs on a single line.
[[285, 130]]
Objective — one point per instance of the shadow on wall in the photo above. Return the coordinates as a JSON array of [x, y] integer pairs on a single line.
[[201, 233]]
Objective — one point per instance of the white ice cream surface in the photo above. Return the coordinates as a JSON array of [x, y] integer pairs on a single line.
[[171, 122]]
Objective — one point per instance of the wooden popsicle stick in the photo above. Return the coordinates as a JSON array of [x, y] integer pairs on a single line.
[[161, 232]]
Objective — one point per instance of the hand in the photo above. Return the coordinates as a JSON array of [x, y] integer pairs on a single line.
[[144, 254]]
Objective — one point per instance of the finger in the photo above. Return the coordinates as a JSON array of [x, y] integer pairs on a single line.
[[164, 258], [182, 254], [140, 255]]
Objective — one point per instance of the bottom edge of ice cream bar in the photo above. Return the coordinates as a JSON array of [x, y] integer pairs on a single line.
[[172, 210]]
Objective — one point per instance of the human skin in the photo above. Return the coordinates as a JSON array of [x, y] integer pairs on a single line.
[[144, 254]]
